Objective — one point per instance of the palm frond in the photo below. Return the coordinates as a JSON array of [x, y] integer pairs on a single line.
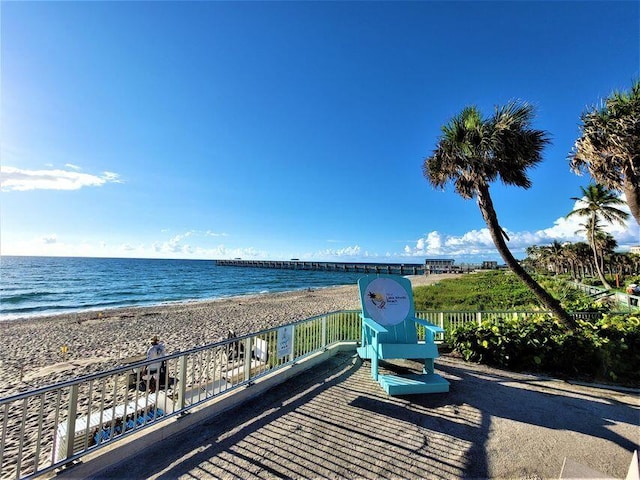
[[474, 151], [609, 144]]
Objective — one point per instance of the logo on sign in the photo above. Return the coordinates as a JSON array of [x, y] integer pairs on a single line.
[[380, 300], [387, 301]]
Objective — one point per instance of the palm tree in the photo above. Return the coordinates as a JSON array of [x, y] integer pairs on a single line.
[[532, 260], [592, 229], [609, 147], [572, 255], [606, 244], [622, 264], [472, 152], [598, 204], [584, 257], [556, 256], [634, 259]]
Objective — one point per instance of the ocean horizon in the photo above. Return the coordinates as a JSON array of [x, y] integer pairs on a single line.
[[42, 286]]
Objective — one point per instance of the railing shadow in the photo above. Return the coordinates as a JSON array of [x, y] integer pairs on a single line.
[[223, 435], [477, 400], [553, 409], [334, 421]]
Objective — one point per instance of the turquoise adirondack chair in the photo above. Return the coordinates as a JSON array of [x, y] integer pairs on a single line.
[[389, 331]]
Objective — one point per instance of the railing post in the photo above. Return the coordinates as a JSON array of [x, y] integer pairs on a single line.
[[247, 358], [324, 331], [441, 319], [71, 419], [479, 318], [182, 381], [293, 343]]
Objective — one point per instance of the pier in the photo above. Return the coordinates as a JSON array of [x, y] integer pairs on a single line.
[[351, 267]]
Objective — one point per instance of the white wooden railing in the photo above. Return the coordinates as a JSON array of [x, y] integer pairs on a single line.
[[630, 302], [44, 429]]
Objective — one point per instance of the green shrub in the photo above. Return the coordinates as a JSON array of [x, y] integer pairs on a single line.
[[509, 343], [605, 350], [620, 348]]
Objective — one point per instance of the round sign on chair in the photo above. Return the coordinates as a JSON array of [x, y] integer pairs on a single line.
[[386, 301]]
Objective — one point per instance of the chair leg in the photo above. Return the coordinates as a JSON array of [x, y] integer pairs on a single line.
[[374, 359], [374, 367], [429, 365]]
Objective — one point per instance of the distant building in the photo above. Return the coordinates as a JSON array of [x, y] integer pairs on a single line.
[[489, 265], [439, 265], [635, 249]]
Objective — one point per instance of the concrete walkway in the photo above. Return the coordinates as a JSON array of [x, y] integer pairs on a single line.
[[334, 421]]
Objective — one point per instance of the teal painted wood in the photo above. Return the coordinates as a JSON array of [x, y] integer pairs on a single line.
[[389, 332], [416, 351], [413, 384]]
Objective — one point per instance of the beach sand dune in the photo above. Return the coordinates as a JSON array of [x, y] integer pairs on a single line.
[[32, 354]]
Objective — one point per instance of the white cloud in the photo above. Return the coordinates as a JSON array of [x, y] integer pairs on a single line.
[[222, 252], [354, 251], [479, 242], [50, 239], [175, 244], [16, 179], [111, 177], [209, 233], [188, 245]]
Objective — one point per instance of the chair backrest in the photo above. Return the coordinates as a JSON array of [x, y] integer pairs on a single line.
[[388, 301]]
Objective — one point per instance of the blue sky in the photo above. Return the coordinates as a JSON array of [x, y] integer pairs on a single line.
[[274, 130]]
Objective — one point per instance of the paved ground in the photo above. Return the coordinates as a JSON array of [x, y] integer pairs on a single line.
[[335, 422]]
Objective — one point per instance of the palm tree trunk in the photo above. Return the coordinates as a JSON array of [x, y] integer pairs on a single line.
[[631, 190], [596, 260], [601, 276], [488, 213]]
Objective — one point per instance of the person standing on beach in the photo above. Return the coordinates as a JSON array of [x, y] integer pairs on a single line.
[[156, 350]]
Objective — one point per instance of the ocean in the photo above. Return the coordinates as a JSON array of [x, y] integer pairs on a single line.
[[37, 286]]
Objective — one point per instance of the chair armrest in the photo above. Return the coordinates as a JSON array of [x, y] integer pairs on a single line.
[[428, 325], [372, 325]]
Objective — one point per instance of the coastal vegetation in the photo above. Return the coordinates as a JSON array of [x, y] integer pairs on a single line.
[[496, 290], [598, 204], [474, 152], [595, 262], [575, 261], [605, 349]]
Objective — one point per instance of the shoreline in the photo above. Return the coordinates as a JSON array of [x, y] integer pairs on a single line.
[[167, 303], [98, 340]]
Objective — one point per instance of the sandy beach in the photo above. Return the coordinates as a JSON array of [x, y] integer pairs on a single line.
[[31, 355]]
